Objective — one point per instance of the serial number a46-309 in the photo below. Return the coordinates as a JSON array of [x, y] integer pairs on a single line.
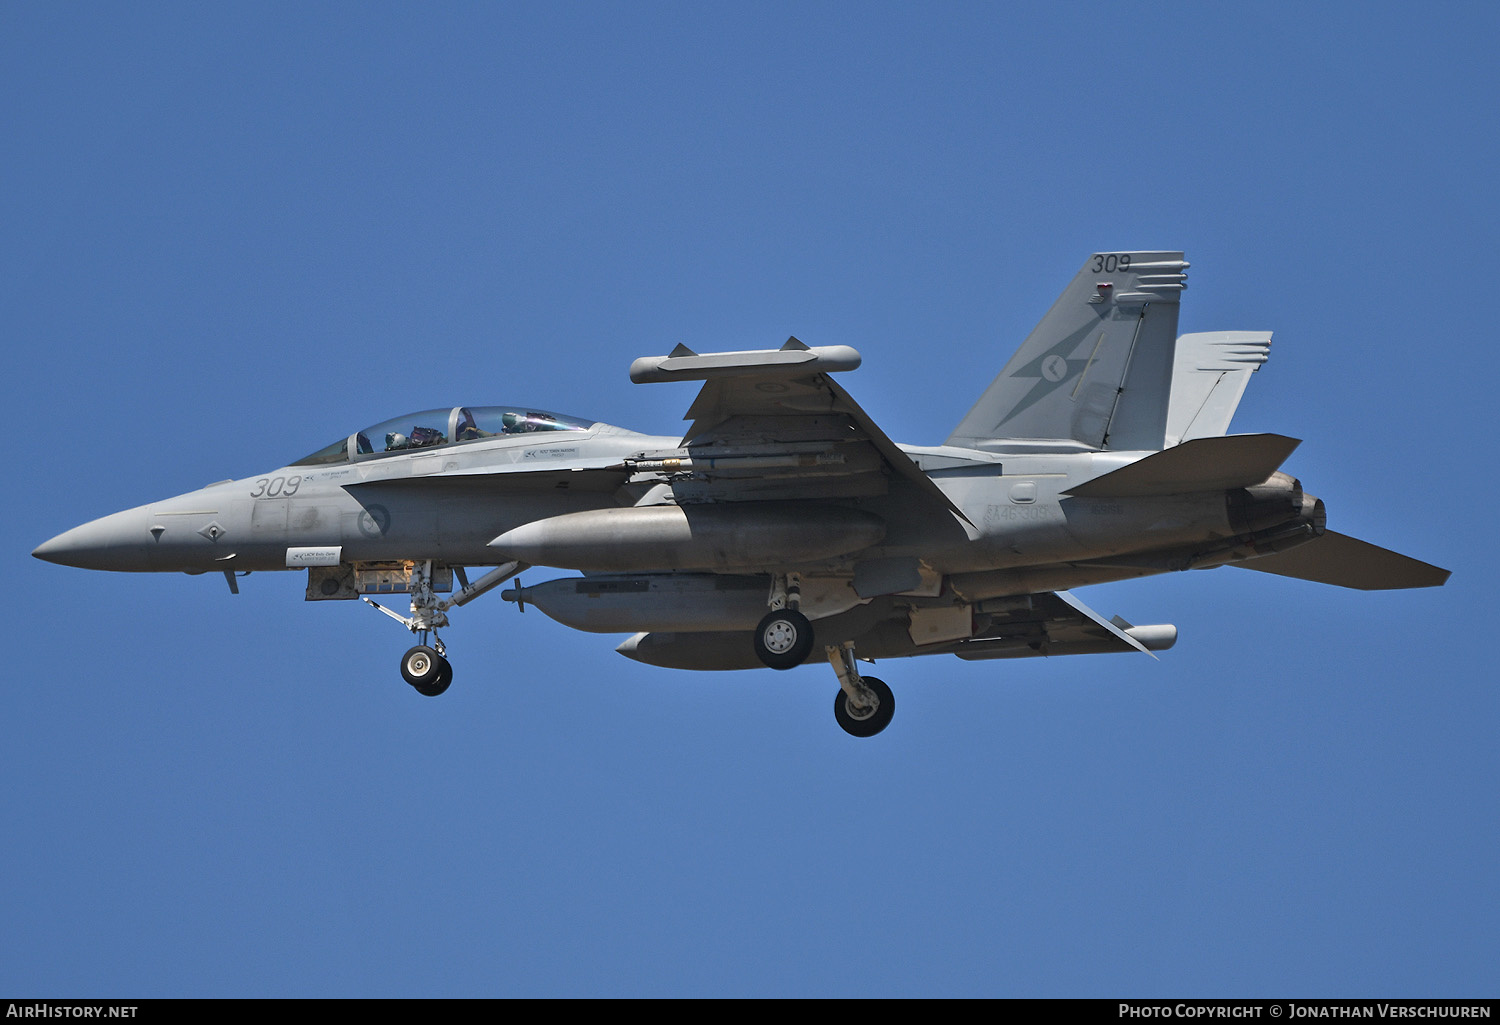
[[1108, 263]]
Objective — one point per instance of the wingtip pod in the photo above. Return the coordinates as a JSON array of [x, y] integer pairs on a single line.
[[794, 358]]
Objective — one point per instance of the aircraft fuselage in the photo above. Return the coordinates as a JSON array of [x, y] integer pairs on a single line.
[[1017, 505]]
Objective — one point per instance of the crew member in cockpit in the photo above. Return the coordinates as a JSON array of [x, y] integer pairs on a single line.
[[468, 430]]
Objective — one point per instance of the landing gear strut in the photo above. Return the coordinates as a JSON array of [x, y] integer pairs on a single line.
[[784, 638], [426, 666], [864, 705]]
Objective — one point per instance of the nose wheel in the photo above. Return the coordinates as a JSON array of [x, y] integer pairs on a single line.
[[427, 671], [425, 666]]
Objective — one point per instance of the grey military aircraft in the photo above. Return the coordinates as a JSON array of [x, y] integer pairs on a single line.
[[785, 525]]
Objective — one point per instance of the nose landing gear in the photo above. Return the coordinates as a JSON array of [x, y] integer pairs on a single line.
[[426, 666], [426, 670]]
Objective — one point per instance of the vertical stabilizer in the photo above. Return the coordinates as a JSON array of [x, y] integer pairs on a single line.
[[1098, 368], [1208, 381]]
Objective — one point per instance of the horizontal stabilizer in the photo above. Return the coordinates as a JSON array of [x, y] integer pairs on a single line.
[[1349, 562], [1203, 464]]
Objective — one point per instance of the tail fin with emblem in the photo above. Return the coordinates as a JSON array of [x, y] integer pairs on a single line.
[[1098, 368]]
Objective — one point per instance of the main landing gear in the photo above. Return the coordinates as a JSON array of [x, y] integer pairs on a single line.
[[784, 638], [426, 666], [864, 705]]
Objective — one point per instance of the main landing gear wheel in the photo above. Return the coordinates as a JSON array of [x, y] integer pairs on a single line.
[[865, 722], [426, 670], [436, 687], [783, 639]]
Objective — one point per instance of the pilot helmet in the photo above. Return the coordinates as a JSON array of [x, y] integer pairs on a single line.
[[395, 440]]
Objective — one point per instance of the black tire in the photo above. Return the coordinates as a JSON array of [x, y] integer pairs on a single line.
[[437, 686], [783, 639], [873, 722], [421, 666]]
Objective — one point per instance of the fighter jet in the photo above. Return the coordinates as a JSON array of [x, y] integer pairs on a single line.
[[785, 526]]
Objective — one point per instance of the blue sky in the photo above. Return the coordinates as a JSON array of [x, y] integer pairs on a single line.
[[231, 235]]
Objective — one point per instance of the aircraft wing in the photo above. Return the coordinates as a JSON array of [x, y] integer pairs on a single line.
[[775, 425]]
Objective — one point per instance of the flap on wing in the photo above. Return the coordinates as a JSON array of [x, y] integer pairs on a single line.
[[1203, 464], [1349, 562]]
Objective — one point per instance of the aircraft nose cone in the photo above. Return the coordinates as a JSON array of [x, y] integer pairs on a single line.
[[118, 541]]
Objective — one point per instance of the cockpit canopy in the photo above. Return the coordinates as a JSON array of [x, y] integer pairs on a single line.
[[436, 427]]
